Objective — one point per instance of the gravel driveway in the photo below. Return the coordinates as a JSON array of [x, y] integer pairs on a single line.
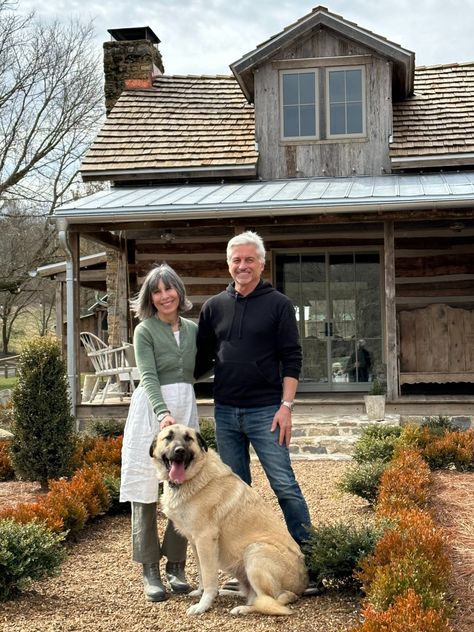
[[99, 588]]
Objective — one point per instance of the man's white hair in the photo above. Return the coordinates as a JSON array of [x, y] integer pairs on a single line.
[[248, 237]]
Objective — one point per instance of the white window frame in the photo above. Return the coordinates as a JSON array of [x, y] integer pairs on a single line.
[[299, 71], [362, 134]]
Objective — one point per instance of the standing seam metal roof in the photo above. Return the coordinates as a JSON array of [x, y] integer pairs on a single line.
[[295, 194]]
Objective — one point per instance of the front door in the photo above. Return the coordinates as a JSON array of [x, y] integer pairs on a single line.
[[337, 301]]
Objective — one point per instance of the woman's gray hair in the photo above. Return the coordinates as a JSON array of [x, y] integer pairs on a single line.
[[142, 305], [248, 237]]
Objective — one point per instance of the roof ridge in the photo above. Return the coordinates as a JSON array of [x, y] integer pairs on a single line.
[[448, 65], [165, 76]]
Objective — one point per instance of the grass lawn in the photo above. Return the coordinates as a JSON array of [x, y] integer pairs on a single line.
[[7, 382]]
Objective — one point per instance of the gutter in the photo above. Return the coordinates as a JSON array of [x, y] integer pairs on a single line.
[[70, 342]]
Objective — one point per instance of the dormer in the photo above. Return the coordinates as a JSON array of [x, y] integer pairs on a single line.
[[323, 90]]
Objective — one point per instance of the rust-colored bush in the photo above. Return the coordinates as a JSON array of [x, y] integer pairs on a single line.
[[69, 503], [62, 501], [406, 615], [88, 485], [452, 449], [6, 468], [410, 554], [404, 484], [39, 511]]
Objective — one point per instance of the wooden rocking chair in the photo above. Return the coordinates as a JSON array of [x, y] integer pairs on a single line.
[[110, 364]]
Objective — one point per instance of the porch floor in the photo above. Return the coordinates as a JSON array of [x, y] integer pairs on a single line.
[[317, 404]]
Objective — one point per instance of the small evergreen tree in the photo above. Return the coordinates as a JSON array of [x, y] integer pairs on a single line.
[[43, 427]]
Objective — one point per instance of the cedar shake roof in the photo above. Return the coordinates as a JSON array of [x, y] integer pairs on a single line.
[[182, 125], [436, 126]]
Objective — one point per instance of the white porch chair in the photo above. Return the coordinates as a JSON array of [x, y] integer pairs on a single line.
[[110, 364]]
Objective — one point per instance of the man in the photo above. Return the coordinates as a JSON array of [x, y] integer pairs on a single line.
[[250, 335]]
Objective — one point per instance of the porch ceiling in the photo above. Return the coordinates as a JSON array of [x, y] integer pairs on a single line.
[[279, 197]]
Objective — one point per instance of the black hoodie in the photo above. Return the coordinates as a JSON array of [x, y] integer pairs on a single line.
[[252, 342]]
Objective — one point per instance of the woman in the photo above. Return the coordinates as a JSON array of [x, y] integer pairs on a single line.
[[165, 349]]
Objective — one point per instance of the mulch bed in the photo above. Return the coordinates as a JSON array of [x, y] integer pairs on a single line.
[[99, 588]]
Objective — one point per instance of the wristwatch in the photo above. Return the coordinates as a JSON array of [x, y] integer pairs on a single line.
[[161, 416], [288, 404]]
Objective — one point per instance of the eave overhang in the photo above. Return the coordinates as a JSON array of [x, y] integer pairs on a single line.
[[304, 196], [172, 173]]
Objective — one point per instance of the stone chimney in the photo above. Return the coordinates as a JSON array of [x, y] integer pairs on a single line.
[[131, 60]]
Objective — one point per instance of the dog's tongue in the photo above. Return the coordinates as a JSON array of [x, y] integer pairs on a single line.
[[177, 472]]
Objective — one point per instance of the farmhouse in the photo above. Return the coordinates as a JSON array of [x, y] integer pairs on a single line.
[[357, 169]]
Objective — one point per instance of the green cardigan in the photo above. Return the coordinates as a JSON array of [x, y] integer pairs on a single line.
[[160, 360]]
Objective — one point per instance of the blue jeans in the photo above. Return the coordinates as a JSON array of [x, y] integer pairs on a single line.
[[236, 429]]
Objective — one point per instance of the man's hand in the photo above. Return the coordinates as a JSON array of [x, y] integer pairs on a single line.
[[283, 419]]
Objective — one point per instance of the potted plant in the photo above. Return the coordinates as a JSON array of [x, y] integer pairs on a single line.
[[375, 401]]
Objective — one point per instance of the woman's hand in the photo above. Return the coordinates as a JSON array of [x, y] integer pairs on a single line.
[[167, 421]]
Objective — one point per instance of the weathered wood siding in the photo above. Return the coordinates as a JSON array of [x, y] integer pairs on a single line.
[[281, 159], [436, 344], [432, 264]]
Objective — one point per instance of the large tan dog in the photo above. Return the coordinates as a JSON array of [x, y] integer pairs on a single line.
[[228, 526]]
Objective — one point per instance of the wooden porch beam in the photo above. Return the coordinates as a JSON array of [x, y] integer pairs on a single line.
[[391, 353], [104, 238]]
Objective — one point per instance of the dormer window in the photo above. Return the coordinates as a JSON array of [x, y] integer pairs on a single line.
[[299, 98], [322, 104], [345, 103]]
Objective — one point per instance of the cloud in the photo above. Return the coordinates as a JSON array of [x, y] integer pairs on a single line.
[[205, 36]]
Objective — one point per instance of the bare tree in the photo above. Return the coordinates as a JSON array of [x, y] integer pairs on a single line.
[[26, 241], [50, 105]]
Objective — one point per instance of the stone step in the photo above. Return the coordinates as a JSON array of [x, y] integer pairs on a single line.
[[330, 437]]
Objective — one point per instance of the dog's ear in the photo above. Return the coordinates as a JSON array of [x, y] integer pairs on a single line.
[[201, 442], [152, 447]]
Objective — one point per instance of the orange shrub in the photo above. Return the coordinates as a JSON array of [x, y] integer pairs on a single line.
[[63, 502], [105, 451], [6, 468], [404, 484], [39, 511], [410, 554], [406, 615], [88, 485], [453, 448]]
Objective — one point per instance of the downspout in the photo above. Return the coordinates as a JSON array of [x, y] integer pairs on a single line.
[[70, 342]]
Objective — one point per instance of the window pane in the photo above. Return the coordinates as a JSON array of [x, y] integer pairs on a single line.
[[307, 120], [338, 119], [290, 121], [306, 87], [354, 118], [290, 89], [354, 85], [336, 86]]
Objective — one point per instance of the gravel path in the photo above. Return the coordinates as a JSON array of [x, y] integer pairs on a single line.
[[99, 588]]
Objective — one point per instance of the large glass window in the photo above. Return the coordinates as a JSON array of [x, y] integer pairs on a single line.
[[345, 102], [299, 99]]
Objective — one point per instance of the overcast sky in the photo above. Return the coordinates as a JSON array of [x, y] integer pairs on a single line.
[[205, 36]]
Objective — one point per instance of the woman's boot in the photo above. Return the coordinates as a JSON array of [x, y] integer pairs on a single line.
[[154, 589], [176, 577]]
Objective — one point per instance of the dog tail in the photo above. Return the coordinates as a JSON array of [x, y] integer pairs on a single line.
[[267, 605]]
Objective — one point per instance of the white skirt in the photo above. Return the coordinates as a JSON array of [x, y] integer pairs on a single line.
[[139, 482]]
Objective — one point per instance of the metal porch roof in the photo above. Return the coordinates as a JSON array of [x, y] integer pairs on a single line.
[[277, 197]]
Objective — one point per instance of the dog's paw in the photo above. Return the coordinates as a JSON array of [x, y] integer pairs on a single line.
[[239, 610], [198, 608], [195, 593]]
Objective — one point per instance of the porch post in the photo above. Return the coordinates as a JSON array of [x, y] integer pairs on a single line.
[[391, 355], [72, 307]]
